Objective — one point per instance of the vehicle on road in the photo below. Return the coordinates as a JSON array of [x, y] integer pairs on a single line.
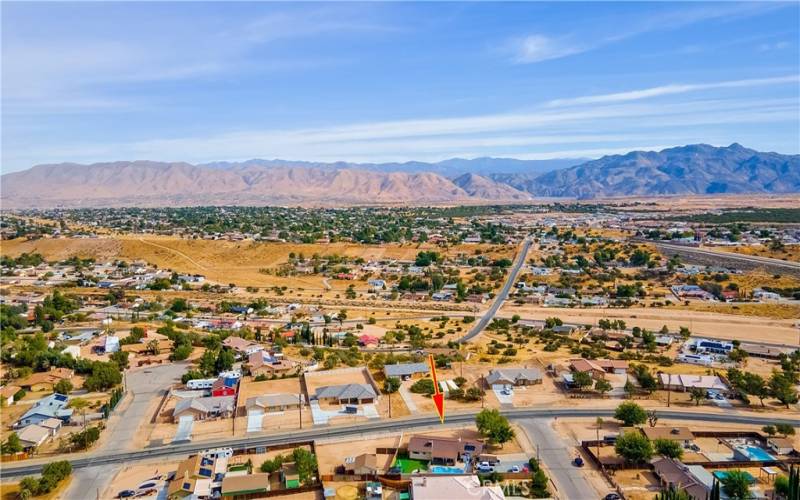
[[515, 468], [612, 496], [126, 494]]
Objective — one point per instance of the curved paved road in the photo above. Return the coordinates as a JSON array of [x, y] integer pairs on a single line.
[[501, 297], [10, 470]]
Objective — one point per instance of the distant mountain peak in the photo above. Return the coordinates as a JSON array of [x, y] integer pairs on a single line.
[[690, 169]]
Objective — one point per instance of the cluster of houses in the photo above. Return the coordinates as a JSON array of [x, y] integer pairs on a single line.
[[218, 474], [42, 421]]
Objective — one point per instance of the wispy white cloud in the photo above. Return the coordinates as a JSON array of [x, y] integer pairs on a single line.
[[538, 47], [535, 134], [671, 89]]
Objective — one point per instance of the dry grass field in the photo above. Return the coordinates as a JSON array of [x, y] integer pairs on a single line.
[[229, 261], [790, 252]]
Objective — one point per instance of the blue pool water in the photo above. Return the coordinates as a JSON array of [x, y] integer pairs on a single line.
[[721, 475], [756, 453], [441, 469]]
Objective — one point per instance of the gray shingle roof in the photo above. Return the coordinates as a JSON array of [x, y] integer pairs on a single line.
[[206, 405], [405, 369], [512, 375], [346, 391]]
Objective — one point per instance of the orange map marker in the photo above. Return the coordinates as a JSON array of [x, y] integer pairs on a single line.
[[438, 397]]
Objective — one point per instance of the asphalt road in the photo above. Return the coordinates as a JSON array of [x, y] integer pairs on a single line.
[[501, 296], [557, 454], [181, 450], [144, 386], [722, 257]]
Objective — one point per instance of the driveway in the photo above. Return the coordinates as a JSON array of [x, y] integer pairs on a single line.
[[408, 399], [144, 385], [505, 399], [556, 453]]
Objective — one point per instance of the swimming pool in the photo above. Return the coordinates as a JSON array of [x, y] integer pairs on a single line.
[[721, 475], [441, 469], [755, 453]]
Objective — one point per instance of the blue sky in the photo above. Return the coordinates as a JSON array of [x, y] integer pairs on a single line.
[[197, 82]]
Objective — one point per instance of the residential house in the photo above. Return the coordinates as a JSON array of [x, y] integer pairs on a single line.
[[598, 368], [33, 436], [45, 381], [364, 464], [673, 473], [564, 329], [678, 382], [224, 387], [346, 394], [205, 407], [111, 344], [514, 376], [365, 340], [781, 446], [704, 346], [445, 487], [245, 485], [242, 347], [197, 476], [406, 371], [680, 434], [7, 393], [52, 406], [264, 363], [443, 450], [271, 403]]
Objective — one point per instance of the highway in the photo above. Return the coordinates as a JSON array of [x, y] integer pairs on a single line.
[[719, 258], [394, 425], [501, 296]]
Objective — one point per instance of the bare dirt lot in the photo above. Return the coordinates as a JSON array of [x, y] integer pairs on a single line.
[[732, 327]]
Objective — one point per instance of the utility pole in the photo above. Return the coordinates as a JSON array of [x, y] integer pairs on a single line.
[[390, 405], [482, 391], [300, 399]]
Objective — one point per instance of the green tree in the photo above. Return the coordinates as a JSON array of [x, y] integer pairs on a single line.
[[602, 386], [582, 380], [306, 463], [630, 413], [668, 448], [224, 361], [422, 386], [785, 429], [80, 405], [120, 358], [270, 466], [736, 484], [391, 385], [12, 444], [781, 385], [634, 447], [63, 386], [672, 494], [697, 395], [769, 430], [494, 426]]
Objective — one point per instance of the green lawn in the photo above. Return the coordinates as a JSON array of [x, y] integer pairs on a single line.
[[408, 465]]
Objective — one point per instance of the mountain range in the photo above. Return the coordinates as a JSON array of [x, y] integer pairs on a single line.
[[692, 169]]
